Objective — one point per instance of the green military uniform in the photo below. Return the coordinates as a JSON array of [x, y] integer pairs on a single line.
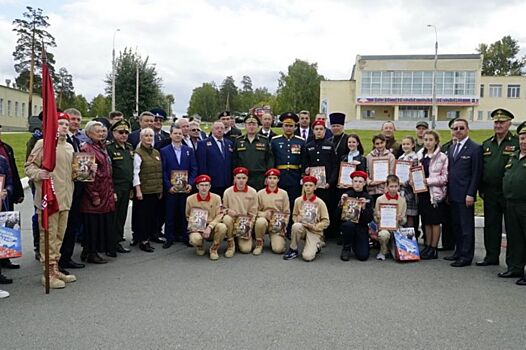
[[513, 189], [122, 164], [256, 156], [496, 156]]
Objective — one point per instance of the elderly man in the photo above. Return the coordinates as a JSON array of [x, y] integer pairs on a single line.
[[214, 158], [266, 126], [195, 133], [63, 185], [496, 153], [184, 125], [161, 137]]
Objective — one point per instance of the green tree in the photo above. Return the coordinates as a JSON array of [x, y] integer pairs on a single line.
[[64, 88], [32, 36], [100, 106], [150, 94], [79, 102], [299, 88], [228, 94], [170, 100], [205, 101], [500, 58]]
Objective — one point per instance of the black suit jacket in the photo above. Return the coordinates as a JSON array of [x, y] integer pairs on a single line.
[[270, 136], [310, 137], [18, 190], [464, 171]]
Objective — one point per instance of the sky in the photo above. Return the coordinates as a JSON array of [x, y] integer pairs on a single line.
[[197, 41]]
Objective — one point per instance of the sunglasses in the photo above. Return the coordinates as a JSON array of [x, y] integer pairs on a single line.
[[458, 128], [194, 130], [122, 132]]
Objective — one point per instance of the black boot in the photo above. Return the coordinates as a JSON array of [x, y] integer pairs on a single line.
[[429, 254], [346, 253]]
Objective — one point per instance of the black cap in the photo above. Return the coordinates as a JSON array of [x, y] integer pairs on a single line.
[[223, 114], [337, 118], [450, 122], [521, 129], [289, 115], [104, 122], [120, 125], [158, 112]]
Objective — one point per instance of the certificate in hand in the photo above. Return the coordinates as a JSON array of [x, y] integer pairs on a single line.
[[388, 217], [402, 170], [179, 180], [319, 173], [351, 209], [198, 219], [418, 176], [346, 169], [380, 169]]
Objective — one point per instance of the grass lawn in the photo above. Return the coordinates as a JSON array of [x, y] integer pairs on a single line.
[[18, 142]]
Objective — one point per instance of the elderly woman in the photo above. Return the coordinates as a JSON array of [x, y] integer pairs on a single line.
[[4, 197], [98, 202], [148, 184]]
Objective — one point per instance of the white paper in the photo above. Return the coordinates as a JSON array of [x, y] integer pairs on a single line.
[[388, 217], [380, 170], [346, 169], [418, 181], [402, 171]]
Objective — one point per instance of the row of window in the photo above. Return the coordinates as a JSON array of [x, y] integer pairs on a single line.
[[16, 109], [495, 90], [409, 83], [413, 113]]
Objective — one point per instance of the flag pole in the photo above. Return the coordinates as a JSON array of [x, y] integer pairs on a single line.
[[44, 210]]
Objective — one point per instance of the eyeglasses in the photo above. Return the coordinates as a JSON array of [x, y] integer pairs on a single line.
[[122, 132], [194, 130], [458, 128]]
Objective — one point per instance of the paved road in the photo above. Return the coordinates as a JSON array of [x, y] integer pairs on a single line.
[[172, 299]]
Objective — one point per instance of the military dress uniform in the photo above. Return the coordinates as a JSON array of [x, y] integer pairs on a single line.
[[122, 166], [495, 156], [289, 159], [256, 156], [513, 189]]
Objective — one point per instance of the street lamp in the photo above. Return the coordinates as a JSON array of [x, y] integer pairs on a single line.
[[434, 107], [113, 71], [137, 86]]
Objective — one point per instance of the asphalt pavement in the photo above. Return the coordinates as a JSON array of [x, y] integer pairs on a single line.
[[173, 299]]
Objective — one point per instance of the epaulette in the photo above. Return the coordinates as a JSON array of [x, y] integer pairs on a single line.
[[277, 136], [299, 137]]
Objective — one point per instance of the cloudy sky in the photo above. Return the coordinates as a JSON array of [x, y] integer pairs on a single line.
[[198, 41]]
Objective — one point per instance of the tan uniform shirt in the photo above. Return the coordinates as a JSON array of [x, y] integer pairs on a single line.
[[62, 175], [212, 206], [273, 202], [244, 203], [402, 206], [322, 214]]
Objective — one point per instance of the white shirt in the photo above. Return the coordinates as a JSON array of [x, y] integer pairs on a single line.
[[459, 145], [177, 150], [306, 133], [220, 144], [137, 161]]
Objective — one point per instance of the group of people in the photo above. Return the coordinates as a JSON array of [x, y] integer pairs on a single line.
[[241, 187]]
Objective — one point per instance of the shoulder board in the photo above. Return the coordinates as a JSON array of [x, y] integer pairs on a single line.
[[277, 137], [299, 137], [488, 139]]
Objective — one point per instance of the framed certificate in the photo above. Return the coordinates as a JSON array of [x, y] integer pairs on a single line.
[[308, 213], [278, 223], [319, 173], [179, 180], [82, 167], [418, 176], [380, 169], [388, 217], [351, 209], [346, 169], [198, 220], [402, 170], [243, 226]]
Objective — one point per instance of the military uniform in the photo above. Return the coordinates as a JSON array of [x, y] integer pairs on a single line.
[[122, 173], [495, 156], [513, 189], [256, 156]]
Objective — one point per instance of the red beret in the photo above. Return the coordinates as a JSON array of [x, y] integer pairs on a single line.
[[240, 170], [202, 178], [309, 178], [62, 115], [359, 173], [318, 122], [272, 171]]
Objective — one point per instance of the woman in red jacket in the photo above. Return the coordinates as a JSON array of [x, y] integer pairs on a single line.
[[98, 203]]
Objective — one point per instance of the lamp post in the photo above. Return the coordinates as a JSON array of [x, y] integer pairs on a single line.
[[434, 108], [113, 71], [137, 85]]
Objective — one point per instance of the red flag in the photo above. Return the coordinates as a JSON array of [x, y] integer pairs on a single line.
[[50, 137]]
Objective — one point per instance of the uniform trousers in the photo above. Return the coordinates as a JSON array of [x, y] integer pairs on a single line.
[[244, 244], [516, 216], [312, 241], [56, 228], [384, 237], [494, 210], [357, 238], [217, 236], [277, 241], [121, 212]]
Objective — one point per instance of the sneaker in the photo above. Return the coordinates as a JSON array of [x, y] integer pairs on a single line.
[[199, 250], [3, 294], [290, 254], [380, 256]]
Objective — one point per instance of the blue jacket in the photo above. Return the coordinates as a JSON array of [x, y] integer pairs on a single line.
[[169, 161], [464, 171], [211, 162], [8, 181]]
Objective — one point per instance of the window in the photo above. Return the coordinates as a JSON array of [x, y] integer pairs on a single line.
[[489, 115], [16, 108], [413, 112], [480, 115], [23, 109], [1, 106], [453, 114], [8, 108], [368, 114], [495, 90], [514, 91], [481, 90]]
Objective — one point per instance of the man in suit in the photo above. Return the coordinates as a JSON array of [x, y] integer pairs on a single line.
[[161, 137], [146, 120], [465, 172], [177, 157], [214, 158], [231, 132], [184, 125], [195, 133], [304, 130], [266, 126]]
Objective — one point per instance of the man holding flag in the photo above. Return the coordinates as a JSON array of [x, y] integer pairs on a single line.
[[49, 166]]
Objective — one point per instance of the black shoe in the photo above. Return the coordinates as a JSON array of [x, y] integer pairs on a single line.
[[111, 254], [509, 274], [64, 271], [486, 263], [37, 255], [96, 259], [429, 254], [290, 254], [521, 282], [461, 263], [5, 280], [161, 234], [443, 249], [157, 240], [84, 255], [71, 265], [339, 240], [120, 249], [424, 251], [134, 242], [167, 244], [146, 247], [346, 253], [7, 264], [452, 257]]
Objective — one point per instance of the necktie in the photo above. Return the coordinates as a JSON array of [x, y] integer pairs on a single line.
[[457, 149], [222, 148], [304, 135]]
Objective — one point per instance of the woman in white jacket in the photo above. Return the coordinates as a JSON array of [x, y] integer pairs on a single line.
[[431, 203]]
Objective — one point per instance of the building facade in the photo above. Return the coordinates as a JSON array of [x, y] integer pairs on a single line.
[[13, 108], [400, 88]]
